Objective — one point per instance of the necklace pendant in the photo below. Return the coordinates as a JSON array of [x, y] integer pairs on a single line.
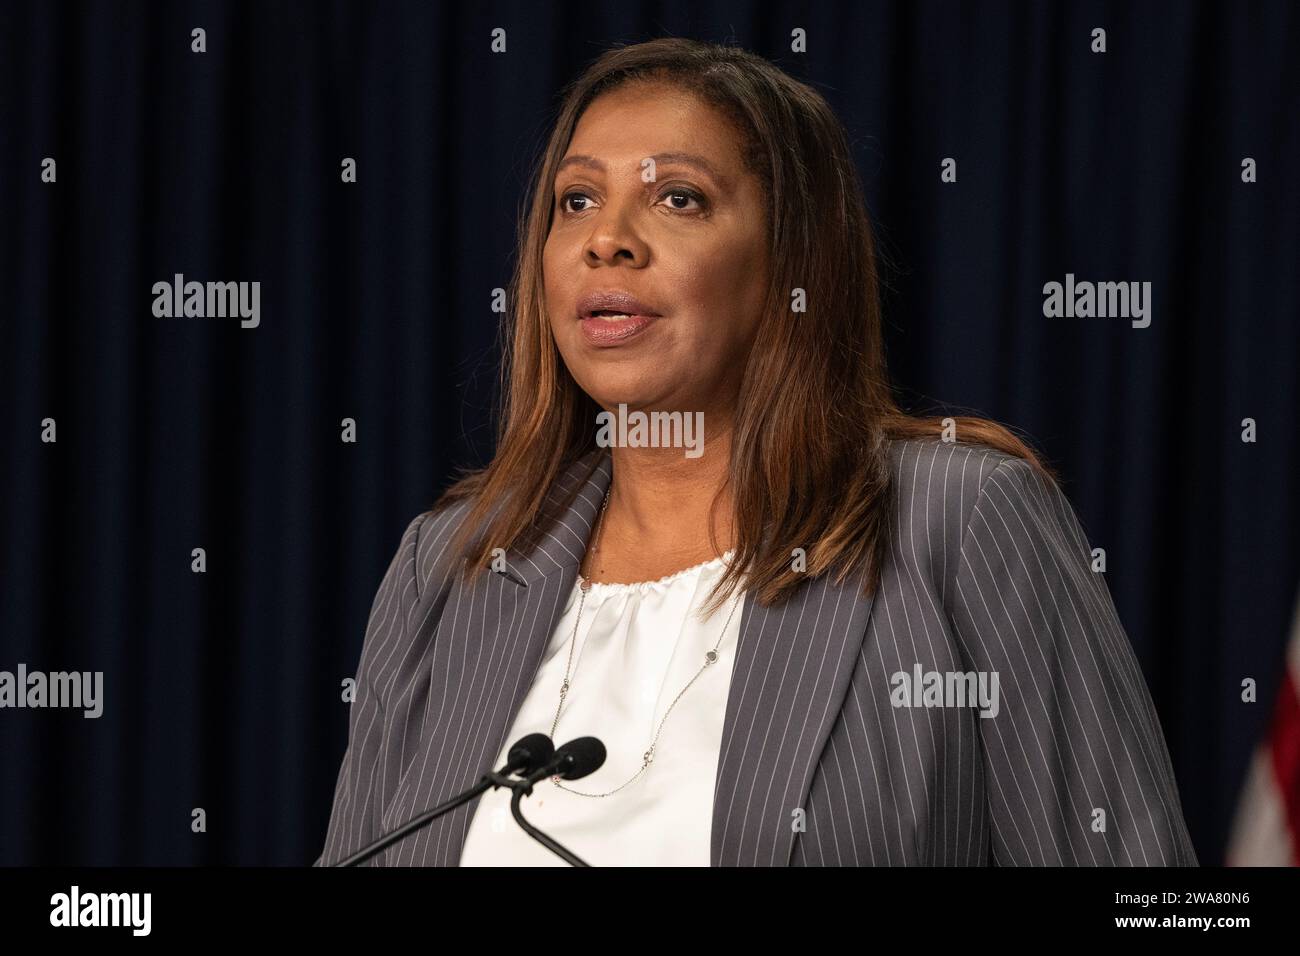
[[711, 657]]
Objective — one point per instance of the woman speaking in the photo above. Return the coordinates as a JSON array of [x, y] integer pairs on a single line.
[[809, 629]]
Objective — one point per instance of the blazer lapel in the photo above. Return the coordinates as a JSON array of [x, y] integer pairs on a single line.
[[488, 646], [792, 672]]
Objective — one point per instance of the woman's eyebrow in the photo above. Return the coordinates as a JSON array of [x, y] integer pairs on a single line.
[[580, 160], [681, 159]]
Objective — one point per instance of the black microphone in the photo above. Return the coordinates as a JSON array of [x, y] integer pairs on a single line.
[[526, 756], [575, 759]]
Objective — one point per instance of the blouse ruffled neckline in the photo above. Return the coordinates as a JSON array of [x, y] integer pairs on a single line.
[[643, 587]]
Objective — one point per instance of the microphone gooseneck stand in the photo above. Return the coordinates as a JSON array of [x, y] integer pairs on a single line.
[[534, 757]]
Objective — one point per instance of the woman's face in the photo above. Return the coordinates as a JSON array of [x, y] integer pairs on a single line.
[[653, 202]]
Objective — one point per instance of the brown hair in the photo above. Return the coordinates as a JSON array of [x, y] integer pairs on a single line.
[[809, 455]]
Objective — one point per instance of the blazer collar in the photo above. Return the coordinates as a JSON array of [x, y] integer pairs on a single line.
[[576, 498], [792, 671]]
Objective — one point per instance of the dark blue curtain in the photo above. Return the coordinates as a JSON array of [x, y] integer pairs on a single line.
[[222, 689]]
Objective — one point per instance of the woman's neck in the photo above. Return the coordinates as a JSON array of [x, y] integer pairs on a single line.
[[661, 511]]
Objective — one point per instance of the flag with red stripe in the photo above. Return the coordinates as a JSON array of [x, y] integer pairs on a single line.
[[1266, 831]]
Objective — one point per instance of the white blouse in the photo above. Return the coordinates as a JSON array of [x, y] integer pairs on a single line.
[[637, 646]]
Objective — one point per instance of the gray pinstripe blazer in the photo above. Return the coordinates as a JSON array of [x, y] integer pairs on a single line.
[[989, 571]]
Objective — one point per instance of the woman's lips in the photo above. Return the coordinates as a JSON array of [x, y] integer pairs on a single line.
[[604, 331]]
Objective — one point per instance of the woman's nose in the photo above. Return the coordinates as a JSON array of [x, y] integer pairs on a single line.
[[614, 239]]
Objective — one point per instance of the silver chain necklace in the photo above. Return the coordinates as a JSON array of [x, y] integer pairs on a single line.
[[710, 657]]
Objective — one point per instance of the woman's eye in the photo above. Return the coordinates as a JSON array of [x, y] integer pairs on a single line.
[[564, 203], [674, 196]]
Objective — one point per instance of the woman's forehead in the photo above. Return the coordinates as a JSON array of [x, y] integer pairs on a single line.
[[625, 132]]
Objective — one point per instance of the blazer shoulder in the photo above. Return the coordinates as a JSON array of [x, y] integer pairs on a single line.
[[433, 531], [933, 478], [941, 490]]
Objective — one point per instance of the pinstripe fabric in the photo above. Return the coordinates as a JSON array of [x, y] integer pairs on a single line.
[[988, 572]]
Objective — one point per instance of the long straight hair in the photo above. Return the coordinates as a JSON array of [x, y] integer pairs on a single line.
[[809, 463]]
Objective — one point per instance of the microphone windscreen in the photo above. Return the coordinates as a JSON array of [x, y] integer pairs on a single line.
[[583, 756], [530, 752]]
